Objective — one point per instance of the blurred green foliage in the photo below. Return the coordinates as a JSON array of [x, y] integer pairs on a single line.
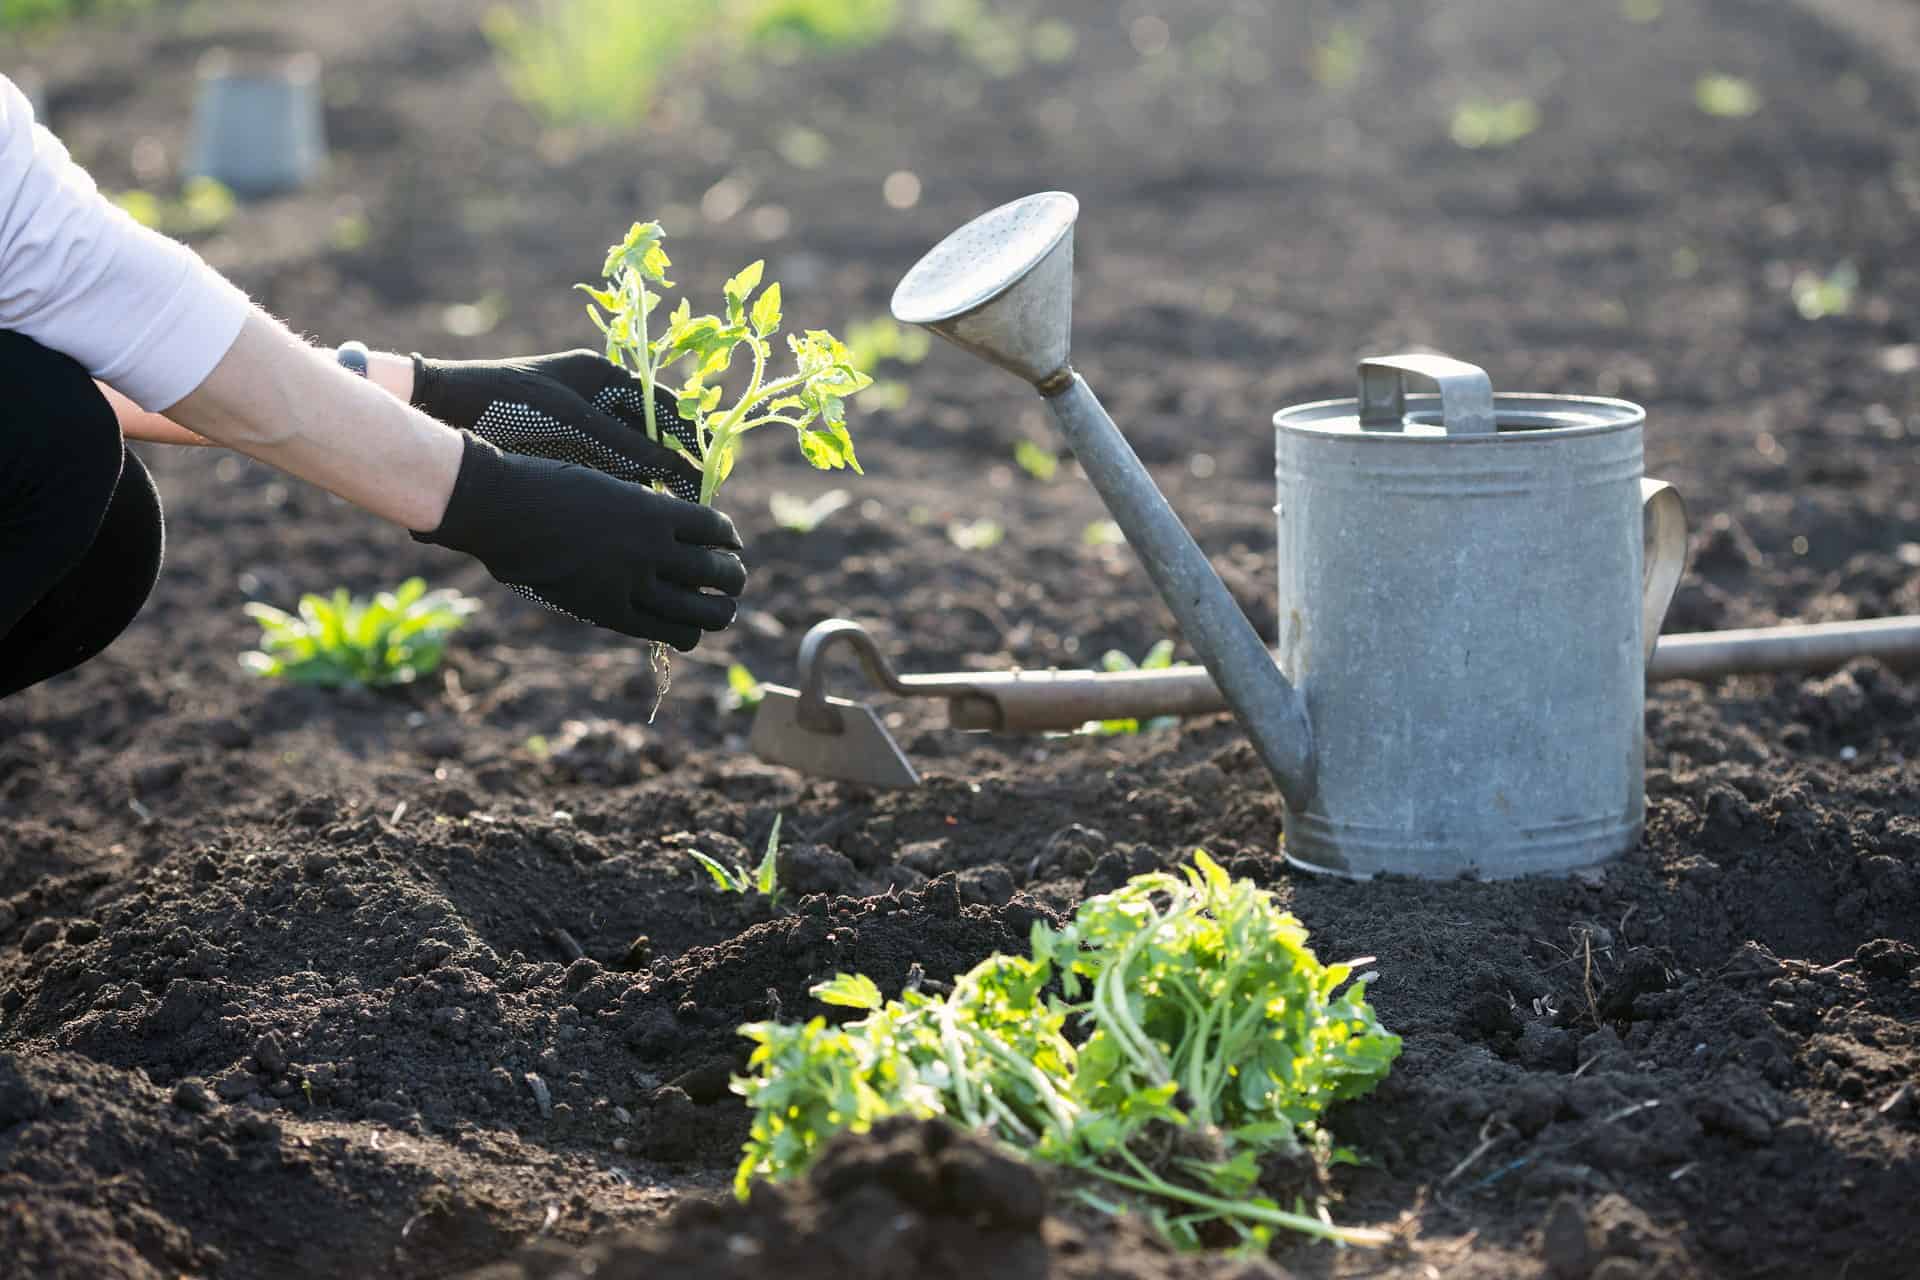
[[595, 61], [1728, 97], [605, 62], [1477, 124], [809, 25], [1158, 658], [203, 205], [22, 15], [1818, 297], [1036, 460]]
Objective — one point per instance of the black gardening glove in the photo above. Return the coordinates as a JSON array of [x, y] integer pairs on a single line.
[[593, 547], [572, 407]]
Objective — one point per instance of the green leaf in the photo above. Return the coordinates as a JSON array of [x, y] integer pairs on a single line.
[[766, 877], [739, 287], [729, 881], [848, 990], [766, 310], [1036, 461]]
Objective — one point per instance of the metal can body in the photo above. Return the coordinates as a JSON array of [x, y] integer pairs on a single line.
[[1462, 615]]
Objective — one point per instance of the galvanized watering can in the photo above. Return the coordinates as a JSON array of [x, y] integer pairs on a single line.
[[1470, 587], [1469, 584]]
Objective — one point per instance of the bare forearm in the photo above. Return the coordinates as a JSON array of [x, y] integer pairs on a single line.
[[141, 424], [392, 373], [277, 399]]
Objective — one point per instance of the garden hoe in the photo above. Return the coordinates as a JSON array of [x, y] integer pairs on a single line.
[[823, 736]]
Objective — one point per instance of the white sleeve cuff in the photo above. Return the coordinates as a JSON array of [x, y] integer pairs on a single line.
[[181, 341]]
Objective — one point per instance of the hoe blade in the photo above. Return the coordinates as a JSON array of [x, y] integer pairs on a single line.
[[860, 750]]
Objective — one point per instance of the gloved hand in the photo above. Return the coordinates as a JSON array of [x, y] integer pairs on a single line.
[[593, 547], [575, 406]]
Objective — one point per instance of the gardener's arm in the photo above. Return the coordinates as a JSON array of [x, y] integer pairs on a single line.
[[143, 314], [277, 399]]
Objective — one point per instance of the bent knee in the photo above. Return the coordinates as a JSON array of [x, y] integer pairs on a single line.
[[59, 439]]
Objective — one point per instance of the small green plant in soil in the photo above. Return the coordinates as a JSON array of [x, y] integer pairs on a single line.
[[763, 880], [1102, 533], [594, 61], [45, 14], [1724, 96], [1196, 1042], [743, 692], [803, 515], [1036, 460], [1817, 297], [810, 400], [341, 640], [795, 27], [975, 535], [1338, 56], [203, 205], [878, 341], [604, 62], [1479, 125], [1158, 658]]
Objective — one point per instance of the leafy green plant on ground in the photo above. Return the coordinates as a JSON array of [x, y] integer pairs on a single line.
[[763, 880], [1727, 97], [34, 14], [203, 205], [743, 692], [339, 640], [1210, 1039], [805, 26], [1036, 460], [803, 515], [1158, 658], [595, 61], [1817, 296], [1478, 124], [975, 535], [811, 400], [881, 340], [604, 62]]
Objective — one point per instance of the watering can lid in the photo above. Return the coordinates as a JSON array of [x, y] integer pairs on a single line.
[[1467, 407]]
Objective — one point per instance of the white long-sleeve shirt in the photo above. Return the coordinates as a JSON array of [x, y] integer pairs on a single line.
[[141, 312]]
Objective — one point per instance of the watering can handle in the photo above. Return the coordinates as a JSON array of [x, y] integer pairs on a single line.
[[1666, 532], [1466, 393]]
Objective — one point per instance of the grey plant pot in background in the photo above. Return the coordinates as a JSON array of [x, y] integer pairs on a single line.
[[258, 129]]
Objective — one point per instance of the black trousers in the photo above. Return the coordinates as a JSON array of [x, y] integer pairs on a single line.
[[80, 529]]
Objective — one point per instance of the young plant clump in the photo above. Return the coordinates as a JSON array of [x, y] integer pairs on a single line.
[[339, 641], [763, 880], [1207, 1039], [810, 400]]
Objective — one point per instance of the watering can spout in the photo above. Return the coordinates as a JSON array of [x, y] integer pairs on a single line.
[[1002, 288]]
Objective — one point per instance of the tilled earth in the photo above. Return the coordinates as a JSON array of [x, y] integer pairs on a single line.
[[296, 983]]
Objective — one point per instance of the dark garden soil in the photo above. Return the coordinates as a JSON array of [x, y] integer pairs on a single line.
[[299, 984]]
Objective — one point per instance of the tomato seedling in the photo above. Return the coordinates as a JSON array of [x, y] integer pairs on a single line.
[[810, 400]]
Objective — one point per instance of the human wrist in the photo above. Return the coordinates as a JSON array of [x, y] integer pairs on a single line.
[[392, 374]]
